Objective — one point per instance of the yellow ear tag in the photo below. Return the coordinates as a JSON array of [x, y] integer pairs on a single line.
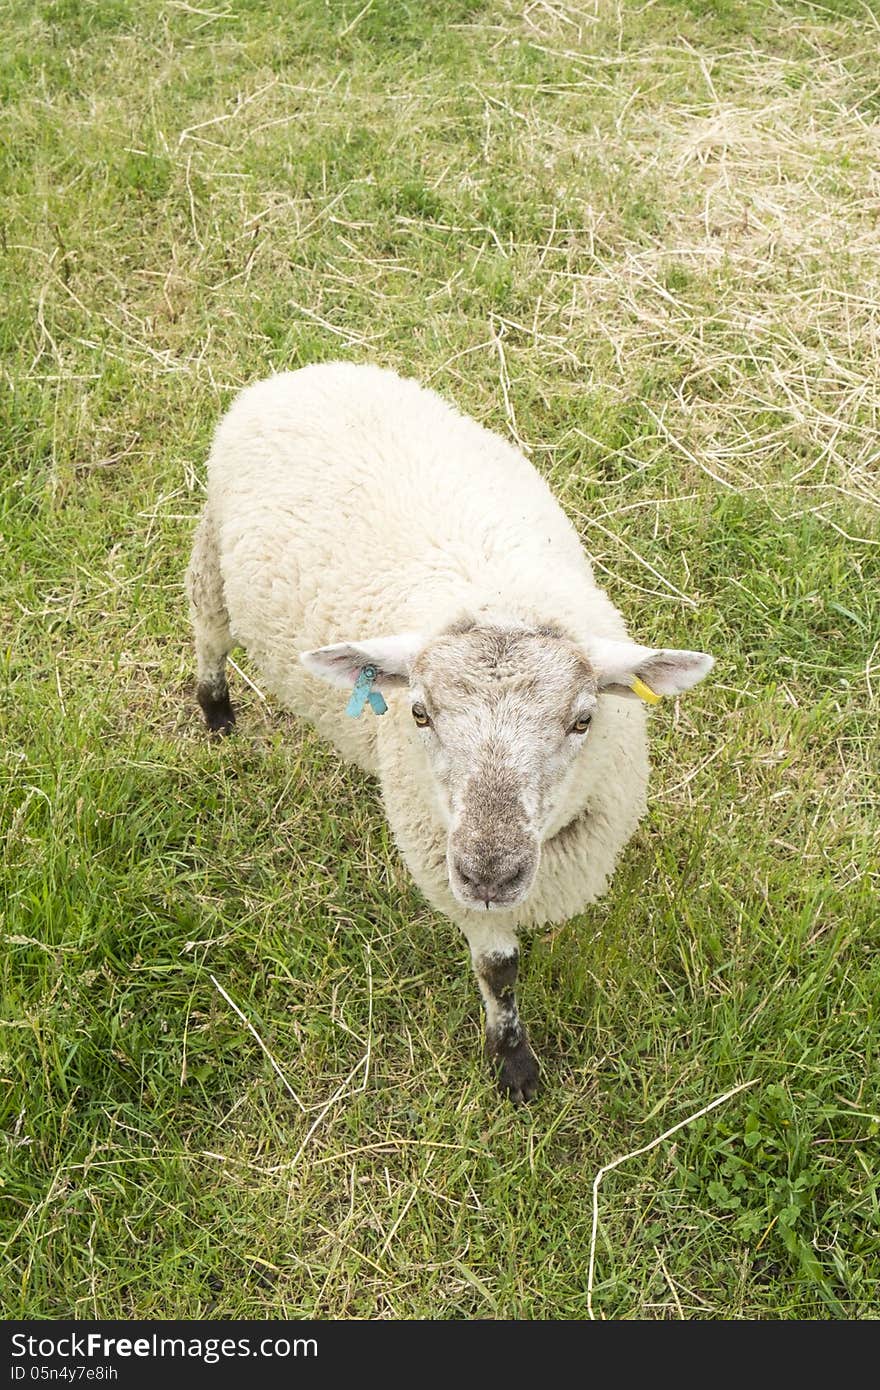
[[645, 692]]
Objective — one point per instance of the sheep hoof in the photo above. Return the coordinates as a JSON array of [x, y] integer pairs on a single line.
[[218, 711], [518, 1073]]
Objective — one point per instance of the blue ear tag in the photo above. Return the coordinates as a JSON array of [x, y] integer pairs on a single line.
[[363, 692]]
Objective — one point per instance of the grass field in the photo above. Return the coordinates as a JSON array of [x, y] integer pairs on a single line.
[[643, 239]]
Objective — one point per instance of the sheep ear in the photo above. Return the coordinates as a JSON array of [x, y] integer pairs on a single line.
[[342, 663], [665, 671]]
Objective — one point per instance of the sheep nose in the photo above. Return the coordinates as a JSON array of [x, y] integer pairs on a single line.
[[489, 884]]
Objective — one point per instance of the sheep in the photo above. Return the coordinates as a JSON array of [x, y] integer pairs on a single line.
[[362, 539]]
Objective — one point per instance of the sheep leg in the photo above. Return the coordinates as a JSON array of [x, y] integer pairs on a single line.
[[210, 621], [495, 957]]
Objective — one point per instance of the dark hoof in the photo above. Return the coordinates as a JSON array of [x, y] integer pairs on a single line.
[[518, 1073], [218, 711]]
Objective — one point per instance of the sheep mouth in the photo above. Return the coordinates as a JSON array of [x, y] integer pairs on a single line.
[[495, 892]]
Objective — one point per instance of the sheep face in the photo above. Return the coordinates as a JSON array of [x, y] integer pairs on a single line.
[[503, 716], [503, 713]]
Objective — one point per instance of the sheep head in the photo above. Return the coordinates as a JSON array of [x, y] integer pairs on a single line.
[[503, 713]]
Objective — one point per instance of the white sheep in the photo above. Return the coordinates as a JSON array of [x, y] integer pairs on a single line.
[[355, 524]]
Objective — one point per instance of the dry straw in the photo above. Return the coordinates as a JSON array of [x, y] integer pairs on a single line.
[[636, 1153]]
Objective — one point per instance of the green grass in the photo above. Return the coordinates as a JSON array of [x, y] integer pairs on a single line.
[[654, 229]]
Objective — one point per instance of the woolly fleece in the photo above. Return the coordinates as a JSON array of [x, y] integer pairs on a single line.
[[345, 503]]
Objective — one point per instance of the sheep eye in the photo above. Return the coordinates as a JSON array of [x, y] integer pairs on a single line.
[[581, 725], [420, 715]]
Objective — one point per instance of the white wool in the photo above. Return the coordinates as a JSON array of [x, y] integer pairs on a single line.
[[348, 503]]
